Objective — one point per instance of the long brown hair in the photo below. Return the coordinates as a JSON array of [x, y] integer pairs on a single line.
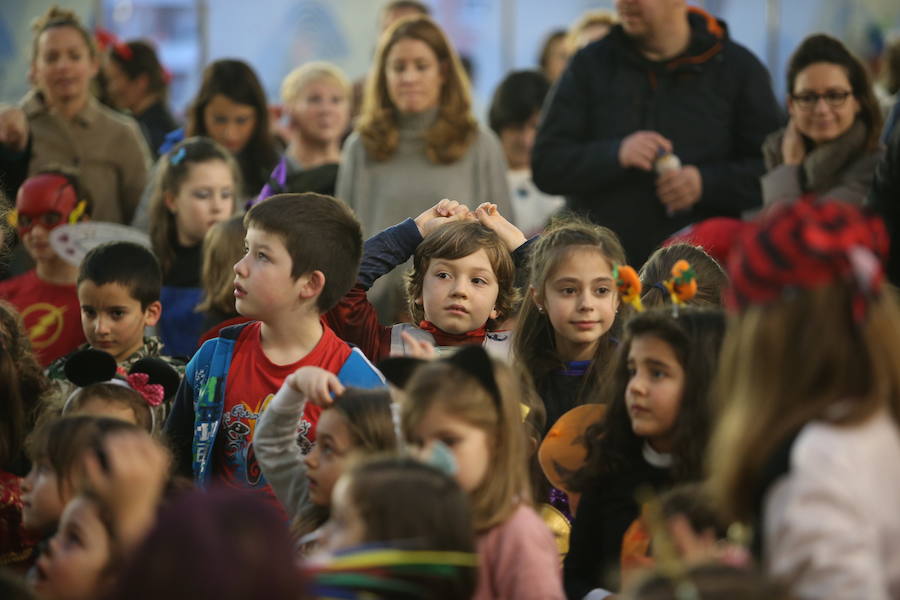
[[535, 343], [237, 81], [175, 169], [824, 48], [775, 377], [454, 129]]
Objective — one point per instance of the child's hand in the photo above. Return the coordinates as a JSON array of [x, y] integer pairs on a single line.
[[488, 215], [129, 479], [445, 211], [418, 348], [316, 385]]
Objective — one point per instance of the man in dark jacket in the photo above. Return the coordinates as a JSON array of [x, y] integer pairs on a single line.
[[885, 199], [668, 79]]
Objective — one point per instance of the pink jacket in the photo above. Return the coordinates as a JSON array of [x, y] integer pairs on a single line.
[[519, 560]]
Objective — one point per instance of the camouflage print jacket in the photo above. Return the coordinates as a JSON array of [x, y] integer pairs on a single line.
[[152, 348]]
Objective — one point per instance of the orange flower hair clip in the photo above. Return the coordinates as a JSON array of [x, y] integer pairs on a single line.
[[683, 284], [629, 285]]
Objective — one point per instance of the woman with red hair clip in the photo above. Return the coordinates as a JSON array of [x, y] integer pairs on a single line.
[[136, 82], [807, 447]]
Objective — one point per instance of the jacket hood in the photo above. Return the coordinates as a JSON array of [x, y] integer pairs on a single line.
[[708, 37]]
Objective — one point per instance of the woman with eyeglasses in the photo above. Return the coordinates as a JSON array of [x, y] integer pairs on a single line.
[[830, 145]]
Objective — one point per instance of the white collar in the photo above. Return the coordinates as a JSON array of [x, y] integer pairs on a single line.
[[656, 459]]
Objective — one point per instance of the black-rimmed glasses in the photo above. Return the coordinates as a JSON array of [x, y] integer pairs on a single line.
[[833, 98]]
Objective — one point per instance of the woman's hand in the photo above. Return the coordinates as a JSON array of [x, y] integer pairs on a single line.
[[316, 385], [14, 129], [488, 215], [445, 211], [792, 149]]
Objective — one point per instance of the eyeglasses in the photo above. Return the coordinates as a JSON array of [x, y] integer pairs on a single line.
[[833, 98]]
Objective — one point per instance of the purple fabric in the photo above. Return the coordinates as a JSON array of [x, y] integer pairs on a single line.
[[560, 501], [278, 176]]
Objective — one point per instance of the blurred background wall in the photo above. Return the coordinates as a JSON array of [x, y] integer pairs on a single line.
[[496, 35]]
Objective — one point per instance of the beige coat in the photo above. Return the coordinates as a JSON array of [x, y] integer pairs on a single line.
[[106, 150]]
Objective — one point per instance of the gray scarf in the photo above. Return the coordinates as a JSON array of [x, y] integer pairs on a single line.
[[824, 164]]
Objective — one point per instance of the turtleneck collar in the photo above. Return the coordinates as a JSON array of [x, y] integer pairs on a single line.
[[656, 459], [417, 121]]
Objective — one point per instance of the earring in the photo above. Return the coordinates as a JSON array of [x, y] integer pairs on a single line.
[[540, 308]]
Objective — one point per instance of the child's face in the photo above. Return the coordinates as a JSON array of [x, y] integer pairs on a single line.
[[321, 112], [459, 295], [37, 244], [263, 285], [42, 499], [580, 300], [112, 319], [518, 140], [654, 390], [206, 197], [345, 527], [468, 443], [325, 462], [72, 567]]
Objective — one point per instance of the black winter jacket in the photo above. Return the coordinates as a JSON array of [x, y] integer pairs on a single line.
[[714, 102], [885, 199]]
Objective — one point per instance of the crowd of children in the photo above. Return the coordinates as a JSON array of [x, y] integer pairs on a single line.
[[549, 422]]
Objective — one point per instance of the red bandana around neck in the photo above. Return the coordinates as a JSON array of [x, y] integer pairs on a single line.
[[442, 338]]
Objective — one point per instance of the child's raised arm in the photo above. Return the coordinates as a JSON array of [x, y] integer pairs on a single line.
[[275, 436], [354, 318], [488, 215]]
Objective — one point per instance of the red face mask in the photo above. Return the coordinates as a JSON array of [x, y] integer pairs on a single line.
[[48, 200]]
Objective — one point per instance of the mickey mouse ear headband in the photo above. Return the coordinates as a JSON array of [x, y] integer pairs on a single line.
[[152, 378]]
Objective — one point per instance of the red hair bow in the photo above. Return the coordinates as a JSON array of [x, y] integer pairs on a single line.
[[153, 393]]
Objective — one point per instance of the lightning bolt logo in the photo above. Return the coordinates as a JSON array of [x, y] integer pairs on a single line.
[[48, 323]]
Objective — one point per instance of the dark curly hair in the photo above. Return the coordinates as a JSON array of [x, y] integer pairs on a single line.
[[695, 336], [25, 385]]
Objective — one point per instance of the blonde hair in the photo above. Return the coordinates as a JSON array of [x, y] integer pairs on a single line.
[[591, 18], [223, 246], [295, 81], [454, 129], [774, 378], [458, 393]]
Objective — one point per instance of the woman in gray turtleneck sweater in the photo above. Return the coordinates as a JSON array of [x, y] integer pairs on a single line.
[[416, 140]]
